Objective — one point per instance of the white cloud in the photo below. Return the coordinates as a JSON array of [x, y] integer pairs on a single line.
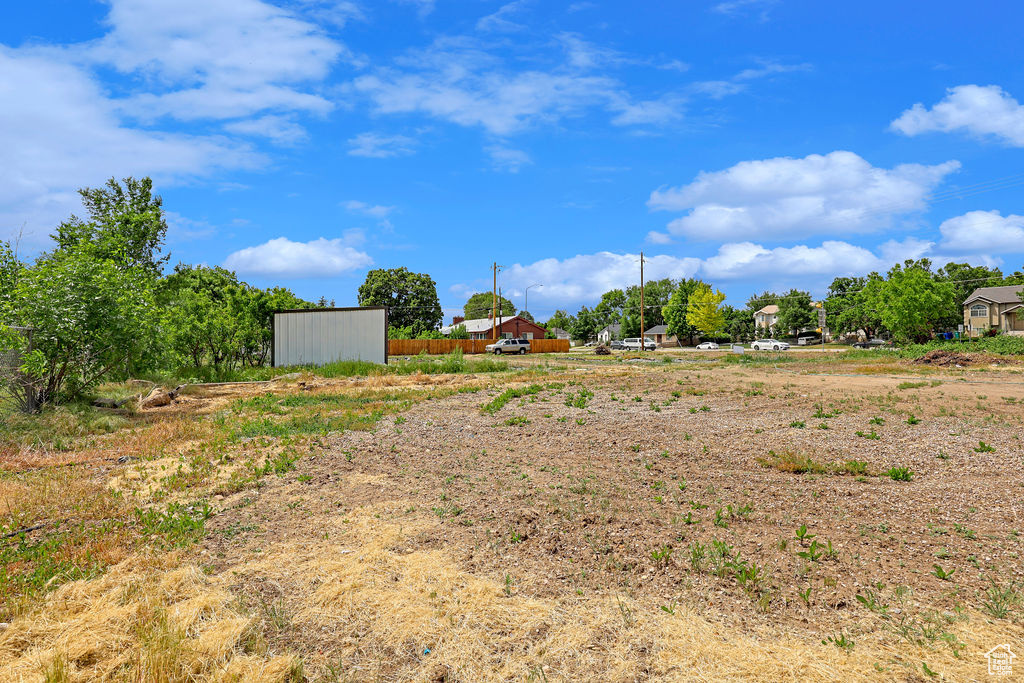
[[983, 231], [459, 80], [655, 237], [744, 260], [787, 198], [507, 159], [501, 20], [281, 130], [215, 58], [380, 146], [423, 7], [282, 257], [59, 132], [737, 7], [585, 277], [374, 210], [740, 81], [979, 110]]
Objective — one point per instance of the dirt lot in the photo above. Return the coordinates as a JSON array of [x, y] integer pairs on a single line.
[[599, 520]]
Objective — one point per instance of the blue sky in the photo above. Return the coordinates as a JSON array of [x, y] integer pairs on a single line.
[[755, 144]]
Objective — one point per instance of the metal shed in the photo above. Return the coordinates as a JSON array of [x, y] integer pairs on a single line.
[[317, 336]]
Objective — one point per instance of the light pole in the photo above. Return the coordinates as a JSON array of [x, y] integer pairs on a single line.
[[526, 298]]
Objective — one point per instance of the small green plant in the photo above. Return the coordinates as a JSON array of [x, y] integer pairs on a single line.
[[813, 552], [984, 448], [720, 520], [872, 435], [913, 420], [824, 425], [798, 424], [942, 574], [805, 595], [517, 420], [877, 420], [839, 640], [661, 555], [1001, 600], [803, 536], [900, 474]]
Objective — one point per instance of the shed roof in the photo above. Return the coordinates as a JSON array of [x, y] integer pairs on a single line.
[[658, 329], [770, 309]]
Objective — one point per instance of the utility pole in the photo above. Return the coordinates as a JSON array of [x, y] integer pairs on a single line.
[[643, 339], [494, 302], [499, 311]]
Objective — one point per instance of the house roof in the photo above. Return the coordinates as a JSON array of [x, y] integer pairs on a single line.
[[658, 329], [477, 325], [996, 295], [613, 328], [770, 309], [557, 331]]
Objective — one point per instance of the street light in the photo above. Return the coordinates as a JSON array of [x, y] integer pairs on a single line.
[[526, 298]]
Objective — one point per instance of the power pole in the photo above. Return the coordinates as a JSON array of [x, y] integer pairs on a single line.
[[643, 339], [494, 302], [499, 311]]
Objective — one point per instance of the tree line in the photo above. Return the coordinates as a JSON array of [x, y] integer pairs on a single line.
[[99, 306]]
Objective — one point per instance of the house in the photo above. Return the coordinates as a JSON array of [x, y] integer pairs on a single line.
[[660, 336], [609, 333], [558, 333], [999, 308], [513, 327], [765, 318]]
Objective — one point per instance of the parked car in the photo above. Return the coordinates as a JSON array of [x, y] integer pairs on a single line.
[[870, 344], [508, 346], [616, 344], [633, 344], [769, 345], [707, 346], [808, 341]]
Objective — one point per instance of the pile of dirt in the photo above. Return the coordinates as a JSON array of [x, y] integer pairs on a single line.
[[602, 350], [944, 358]]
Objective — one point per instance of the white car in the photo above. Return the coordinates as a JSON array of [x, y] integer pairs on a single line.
[[769, 345], [633, 344], [708, 346], [508, 346]]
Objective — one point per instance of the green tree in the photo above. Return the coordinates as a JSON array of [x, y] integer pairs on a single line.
[[481, 304], [561, 320], [89, 314], [738, 323], [675, 311], [526, 315], [657, 294], [849, 306], [584, 325], [459, 332], [125, 224], [795, 312], [412, 298], [704, 310], [10, 268], [609, 309], [912, 300], [758, 301]]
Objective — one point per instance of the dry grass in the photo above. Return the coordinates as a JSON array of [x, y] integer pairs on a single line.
[[144, 620], [396, 615]]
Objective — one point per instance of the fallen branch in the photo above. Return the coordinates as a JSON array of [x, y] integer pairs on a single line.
[[23, 531]]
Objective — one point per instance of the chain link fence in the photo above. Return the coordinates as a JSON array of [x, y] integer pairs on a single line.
[[13, 384], [10, 358]]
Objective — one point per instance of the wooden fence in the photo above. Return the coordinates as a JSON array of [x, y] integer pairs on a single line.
[[412, 347]]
